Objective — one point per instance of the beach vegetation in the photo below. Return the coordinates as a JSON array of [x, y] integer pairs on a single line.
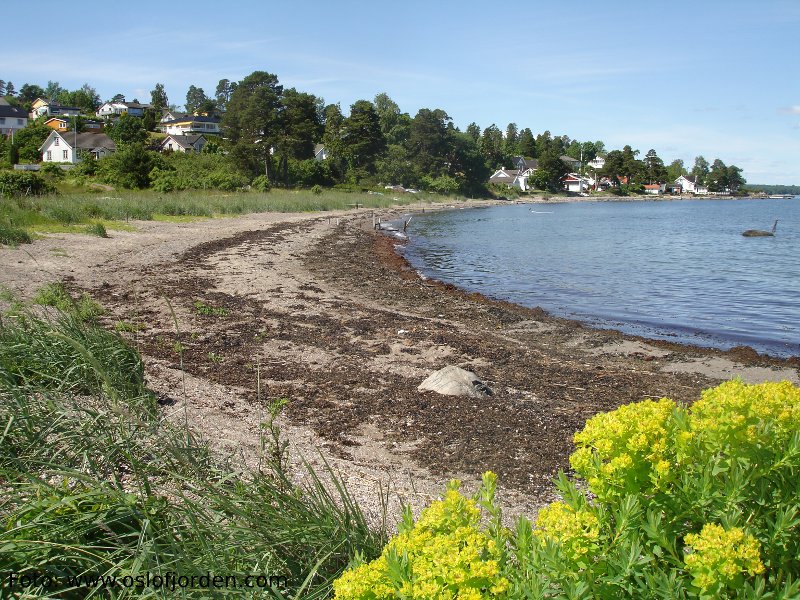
[[667, 501], [102, 493]]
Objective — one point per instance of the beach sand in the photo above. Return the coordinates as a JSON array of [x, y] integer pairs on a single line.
[[322, 311]]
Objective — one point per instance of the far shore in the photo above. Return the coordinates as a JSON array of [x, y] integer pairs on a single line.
[[319, 309]]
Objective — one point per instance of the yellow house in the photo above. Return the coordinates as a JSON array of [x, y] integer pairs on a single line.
[[57, 123]]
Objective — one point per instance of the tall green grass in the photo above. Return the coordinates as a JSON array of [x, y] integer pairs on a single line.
[[95, 482], [72, 209]]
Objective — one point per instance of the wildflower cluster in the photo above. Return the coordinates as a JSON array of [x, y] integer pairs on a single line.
[[685, 503], [750, 417], [720, 558], [445, 554], [575, 530], [623, 451]]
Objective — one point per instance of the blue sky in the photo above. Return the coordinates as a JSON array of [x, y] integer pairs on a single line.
[[718, 78]]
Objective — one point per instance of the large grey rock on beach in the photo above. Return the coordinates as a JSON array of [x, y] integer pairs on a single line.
[[455, 381]]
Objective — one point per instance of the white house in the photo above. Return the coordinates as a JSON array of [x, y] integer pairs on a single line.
[[575, 183], [319, 152], [688, 184], [191, 124], [655, 189], [115, 109], [511, 178], [597, 163], [11, 118], [60, 147], [183, 143]]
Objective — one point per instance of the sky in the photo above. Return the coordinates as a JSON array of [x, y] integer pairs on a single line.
[[717, 78]]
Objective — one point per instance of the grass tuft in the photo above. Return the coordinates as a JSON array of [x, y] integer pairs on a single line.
[[94, 482]]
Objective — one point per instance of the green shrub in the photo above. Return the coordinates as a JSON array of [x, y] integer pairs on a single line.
[[261, 184], [57, 296], [97, 229], [12, 236], [316, 190], [672, 502], [23, 183]]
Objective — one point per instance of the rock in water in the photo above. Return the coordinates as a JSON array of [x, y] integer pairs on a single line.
[[455, 381]]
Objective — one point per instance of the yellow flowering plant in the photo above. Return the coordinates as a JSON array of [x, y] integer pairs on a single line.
[[718, 558], [668, 501], [446, 554]]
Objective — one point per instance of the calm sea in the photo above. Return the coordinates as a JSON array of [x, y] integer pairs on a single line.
[[677, 270]]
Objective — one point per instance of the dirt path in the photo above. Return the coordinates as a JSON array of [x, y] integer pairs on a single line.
[[328, 317]]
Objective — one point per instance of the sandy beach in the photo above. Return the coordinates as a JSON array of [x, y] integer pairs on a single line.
[[320, 310]]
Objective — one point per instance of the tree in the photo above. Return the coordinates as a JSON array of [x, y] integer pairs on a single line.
[[395, 125], [735, 179], [474, 131], [27, 142], [223, 93], [428, 144], [527, 143], [52, 90], [551, 170], [127, 130], [251, 122], [86, 98], [700, 170], [195, 97], [28, 93], [675, 170], [511, 143], [300, 127], [654, 167], [492, 147], [362, 139], [717, 178], [129, 167], [9, 88], [632, 167], [158, 98], [118, 98]]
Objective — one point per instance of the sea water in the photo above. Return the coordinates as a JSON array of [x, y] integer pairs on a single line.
[[673, 269]]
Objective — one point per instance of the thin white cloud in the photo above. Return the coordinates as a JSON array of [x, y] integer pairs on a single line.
[[791, 110]]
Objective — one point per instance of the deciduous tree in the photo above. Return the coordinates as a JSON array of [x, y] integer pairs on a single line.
[[158, 98]]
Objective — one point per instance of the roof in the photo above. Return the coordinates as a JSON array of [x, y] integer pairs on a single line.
[[652, 186], [84, 141], [6, 110], [200, 119], [184, 140]]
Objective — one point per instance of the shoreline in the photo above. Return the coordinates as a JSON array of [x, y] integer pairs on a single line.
[[330, 317]]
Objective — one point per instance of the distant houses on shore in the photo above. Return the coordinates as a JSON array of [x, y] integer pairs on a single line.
[[519, 175]]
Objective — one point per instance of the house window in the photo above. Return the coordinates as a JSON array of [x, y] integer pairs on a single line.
[[2, 120], [49, 155], [66, 154], [19, 121], [56, 143]]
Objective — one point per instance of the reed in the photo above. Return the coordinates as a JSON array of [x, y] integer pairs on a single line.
[[96, 482]]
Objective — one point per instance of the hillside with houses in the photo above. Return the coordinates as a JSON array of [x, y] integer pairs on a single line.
[[264, 133]]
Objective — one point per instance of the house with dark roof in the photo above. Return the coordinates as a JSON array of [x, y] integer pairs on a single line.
[[182, 143], [191, 124], [48, 108], [12, 118], [69, 147]]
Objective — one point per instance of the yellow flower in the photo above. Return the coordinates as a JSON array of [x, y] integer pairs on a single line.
[[576, 531], [718, 556]]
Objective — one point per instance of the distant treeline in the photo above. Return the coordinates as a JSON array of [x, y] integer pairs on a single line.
[[774, 189]]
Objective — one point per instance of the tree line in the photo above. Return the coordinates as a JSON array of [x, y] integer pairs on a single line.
[[270, 132]]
